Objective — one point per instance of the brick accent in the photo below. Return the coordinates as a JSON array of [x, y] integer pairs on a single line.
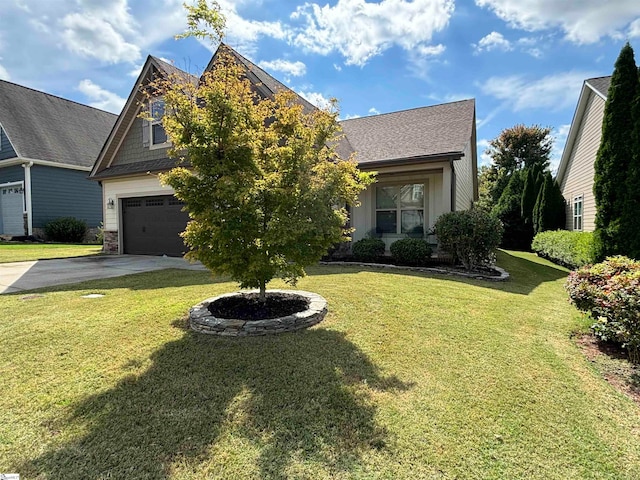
[[110, 244]]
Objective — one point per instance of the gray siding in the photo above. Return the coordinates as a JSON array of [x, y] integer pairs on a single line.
[[11, 174], [6, 149], [132, 151], [578, 179], [61, 192]]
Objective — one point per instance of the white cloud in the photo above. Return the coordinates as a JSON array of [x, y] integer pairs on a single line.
[[337, 67], [485, 158], [493, 41], [360, 30], [553, 92], [450, 97], [294, 69], [101, 98], [4, 74], [91, 36], [560, 139], [374, 111], [634, 29], [583, 21], [349, 116], [315, 98]]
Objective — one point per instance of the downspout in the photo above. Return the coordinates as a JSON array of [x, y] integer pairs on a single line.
[[27, 196], [453, 186]]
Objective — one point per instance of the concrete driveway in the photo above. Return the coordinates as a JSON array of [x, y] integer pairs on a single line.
[[19, 276]]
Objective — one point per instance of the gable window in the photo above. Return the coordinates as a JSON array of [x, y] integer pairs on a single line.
[[577, 213], [400, 209], [158, 135]]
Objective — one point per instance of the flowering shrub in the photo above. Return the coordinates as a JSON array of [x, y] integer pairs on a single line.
[[610, 293]]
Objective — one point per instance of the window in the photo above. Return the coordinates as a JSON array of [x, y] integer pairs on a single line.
[[400, 209], [158, 135], [577, 213]]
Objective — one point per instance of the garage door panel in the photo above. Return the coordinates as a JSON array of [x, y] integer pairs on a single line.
[[11, 210], [152, 226]]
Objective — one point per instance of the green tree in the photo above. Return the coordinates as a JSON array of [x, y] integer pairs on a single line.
[[514, 149], [616, 151], [265, 189], [508, 209], [549, 210]]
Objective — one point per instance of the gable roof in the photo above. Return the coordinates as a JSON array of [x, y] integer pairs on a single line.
[[598, 86], [419, 133], [41, 126]]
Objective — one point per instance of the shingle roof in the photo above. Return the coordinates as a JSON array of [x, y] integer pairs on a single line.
[[171, 69], [45, 127], [419, 132], [601, 84]]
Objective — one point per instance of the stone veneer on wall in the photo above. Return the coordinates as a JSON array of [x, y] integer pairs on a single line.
[[110, 244]]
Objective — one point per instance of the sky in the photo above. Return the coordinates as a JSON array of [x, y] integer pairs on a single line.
[[524, 61]]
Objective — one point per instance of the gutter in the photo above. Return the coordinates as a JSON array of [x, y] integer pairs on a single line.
[[438, 157]]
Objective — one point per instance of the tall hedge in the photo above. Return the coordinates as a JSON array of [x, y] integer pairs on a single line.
[[549, 210], [617, 149]]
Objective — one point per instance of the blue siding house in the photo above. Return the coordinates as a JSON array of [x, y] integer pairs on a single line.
[[47, 148]]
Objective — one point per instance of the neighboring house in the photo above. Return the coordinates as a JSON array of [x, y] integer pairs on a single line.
[[47, 148], [576, 169], [425, 159]]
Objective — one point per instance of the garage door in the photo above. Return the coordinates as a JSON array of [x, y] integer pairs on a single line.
[[152, 226], [11, 210]]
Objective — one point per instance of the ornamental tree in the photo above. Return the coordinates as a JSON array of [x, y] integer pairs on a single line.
[[264, 188], [617, 149]]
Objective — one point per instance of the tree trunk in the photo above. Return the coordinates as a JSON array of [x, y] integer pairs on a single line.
[[263, 291]]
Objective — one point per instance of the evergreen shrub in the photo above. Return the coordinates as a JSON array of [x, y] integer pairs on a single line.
[[66, 230], [410, 251], [368, 249], [571, 249]]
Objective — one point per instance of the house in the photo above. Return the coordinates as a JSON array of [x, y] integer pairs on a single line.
[[47, 148], [576, 169], [425, 159]]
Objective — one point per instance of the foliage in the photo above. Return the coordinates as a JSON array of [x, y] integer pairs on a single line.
[[517, 234], [471, 236], [368, 249], [571, 249], [265, 180], [529, 195], [549, 210], [516, 148], [610, 293], [66, 230], [411, 251], [617, 149]]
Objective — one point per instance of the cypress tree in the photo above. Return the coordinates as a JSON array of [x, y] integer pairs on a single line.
[[540, 222], [557, 208], [614, 156], [529, 195], [508, 210]]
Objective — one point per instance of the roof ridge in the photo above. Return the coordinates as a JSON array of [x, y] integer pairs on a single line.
[[408, 110], [598, 78], [173, 65], [57, 97]]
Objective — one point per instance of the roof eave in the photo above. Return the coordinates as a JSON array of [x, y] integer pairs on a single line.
[[437, 157]]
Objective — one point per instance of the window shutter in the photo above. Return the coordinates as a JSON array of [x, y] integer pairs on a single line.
[[146, 137]]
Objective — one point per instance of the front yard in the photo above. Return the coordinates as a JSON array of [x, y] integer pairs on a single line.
[[23, 252], [409, 376]]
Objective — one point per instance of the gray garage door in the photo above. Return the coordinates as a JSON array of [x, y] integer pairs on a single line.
[[152, 225]]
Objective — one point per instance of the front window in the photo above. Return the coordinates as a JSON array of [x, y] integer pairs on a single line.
[[158, 135], [577, 213], [400, 209]]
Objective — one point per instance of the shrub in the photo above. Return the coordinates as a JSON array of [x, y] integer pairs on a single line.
[[410, 251], [66, 229], [368, 249], [471, 236], [610, 293], [571, 249]]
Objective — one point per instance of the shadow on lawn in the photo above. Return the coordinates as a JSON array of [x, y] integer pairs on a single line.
[[306, 397], [525, 274]]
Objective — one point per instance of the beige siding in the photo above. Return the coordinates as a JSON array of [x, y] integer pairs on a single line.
[[464, 180], [578, 179]]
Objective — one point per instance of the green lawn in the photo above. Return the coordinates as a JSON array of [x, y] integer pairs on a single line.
[[23, 252], [410, 376]]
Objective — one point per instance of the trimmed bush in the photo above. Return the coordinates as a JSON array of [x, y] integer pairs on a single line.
[[66, 230], [410, 251], [368, 249], [571, 249], [471, 236], [610, 293]]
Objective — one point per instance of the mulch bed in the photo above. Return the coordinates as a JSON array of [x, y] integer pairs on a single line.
[[613, 363], [250, 308]]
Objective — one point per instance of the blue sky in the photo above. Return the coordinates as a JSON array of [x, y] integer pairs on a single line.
[[523, 61]]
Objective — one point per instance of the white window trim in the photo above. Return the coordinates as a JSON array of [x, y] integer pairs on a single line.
[[398, 233], [152, 122], [578, 218]]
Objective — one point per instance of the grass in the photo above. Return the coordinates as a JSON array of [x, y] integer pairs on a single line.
[[410, 376], [23, 252]]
